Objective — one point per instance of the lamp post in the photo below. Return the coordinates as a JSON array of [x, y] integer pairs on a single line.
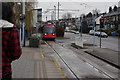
[[58, 10], [55, 12], [22, 29], [94, 25]]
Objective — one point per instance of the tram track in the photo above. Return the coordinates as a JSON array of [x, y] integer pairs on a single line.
[[102, 72], [77, 78]]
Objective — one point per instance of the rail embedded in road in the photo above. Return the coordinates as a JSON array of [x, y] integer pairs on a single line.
[[60, 51]]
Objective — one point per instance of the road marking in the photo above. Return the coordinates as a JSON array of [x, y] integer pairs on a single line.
[[89, 64], [43, 67], [42, 56], [60, 70], [38, 69]]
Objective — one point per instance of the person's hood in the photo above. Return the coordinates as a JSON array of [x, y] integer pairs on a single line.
[[5, 24]]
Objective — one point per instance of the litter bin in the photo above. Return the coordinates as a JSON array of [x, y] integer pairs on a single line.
[[114, 34]]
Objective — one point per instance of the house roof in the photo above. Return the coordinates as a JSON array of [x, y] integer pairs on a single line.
[[113, 13]]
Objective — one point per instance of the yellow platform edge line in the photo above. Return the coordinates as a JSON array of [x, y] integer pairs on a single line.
[[60, 70]]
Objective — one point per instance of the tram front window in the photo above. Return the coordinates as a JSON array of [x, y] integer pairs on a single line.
[[49, 29]]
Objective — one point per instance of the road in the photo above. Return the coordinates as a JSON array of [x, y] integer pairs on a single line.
[[110, 42]]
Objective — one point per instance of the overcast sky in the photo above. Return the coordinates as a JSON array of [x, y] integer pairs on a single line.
[[78, 0], [88, 6]]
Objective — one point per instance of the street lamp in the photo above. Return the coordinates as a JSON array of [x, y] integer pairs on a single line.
[[55, 11], [22, 29]]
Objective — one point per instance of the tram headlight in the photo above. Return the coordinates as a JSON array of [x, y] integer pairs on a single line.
[[45, 34], [53, 34]]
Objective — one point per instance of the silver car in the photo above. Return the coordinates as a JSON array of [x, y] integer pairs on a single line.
[[103, 34]]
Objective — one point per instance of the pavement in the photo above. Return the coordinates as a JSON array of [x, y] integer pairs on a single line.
[[108, 55], [34, 64]]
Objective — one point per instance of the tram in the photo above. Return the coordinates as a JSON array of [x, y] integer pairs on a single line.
[[48, 32]]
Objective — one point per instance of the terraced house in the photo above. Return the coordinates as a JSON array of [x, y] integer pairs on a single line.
[[112, 18]]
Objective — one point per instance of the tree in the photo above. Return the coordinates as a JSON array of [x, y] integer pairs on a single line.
[[89, 14], [110, 9], [29, 15], [96, 12], [67, 16], [115, 8], [82, 15], [84, 26]]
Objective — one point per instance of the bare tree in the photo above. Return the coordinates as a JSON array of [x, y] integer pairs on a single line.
[[110, 9], [82, 15], [17, 10], [67, 16], [89, 14], [96, 11], [115, 8]]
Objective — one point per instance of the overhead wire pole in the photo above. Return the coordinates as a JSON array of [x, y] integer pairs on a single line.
[[23, 23], [58, 10], [46, 18], [55, 12], [94, 25]]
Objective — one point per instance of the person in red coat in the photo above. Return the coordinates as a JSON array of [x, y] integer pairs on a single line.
[[11, 49]]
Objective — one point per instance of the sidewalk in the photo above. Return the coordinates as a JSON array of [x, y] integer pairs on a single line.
[[105, 54], [34, 64]]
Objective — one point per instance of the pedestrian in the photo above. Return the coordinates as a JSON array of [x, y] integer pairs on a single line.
[[11, 49]]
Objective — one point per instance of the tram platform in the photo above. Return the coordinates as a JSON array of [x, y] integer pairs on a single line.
[[34, 64]]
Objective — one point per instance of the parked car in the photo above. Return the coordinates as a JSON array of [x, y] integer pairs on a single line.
[[97, 33], [91, 32], [76, 32], [103, 34], [67, 30], [73, 31]]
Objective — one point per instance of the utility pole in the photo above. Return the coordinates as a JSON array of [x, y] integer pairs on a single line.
[[46, 18], [80, 30], [94, 25], [81, 18], [58, 10], [55, 12], [52, 15], [23, 23]]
